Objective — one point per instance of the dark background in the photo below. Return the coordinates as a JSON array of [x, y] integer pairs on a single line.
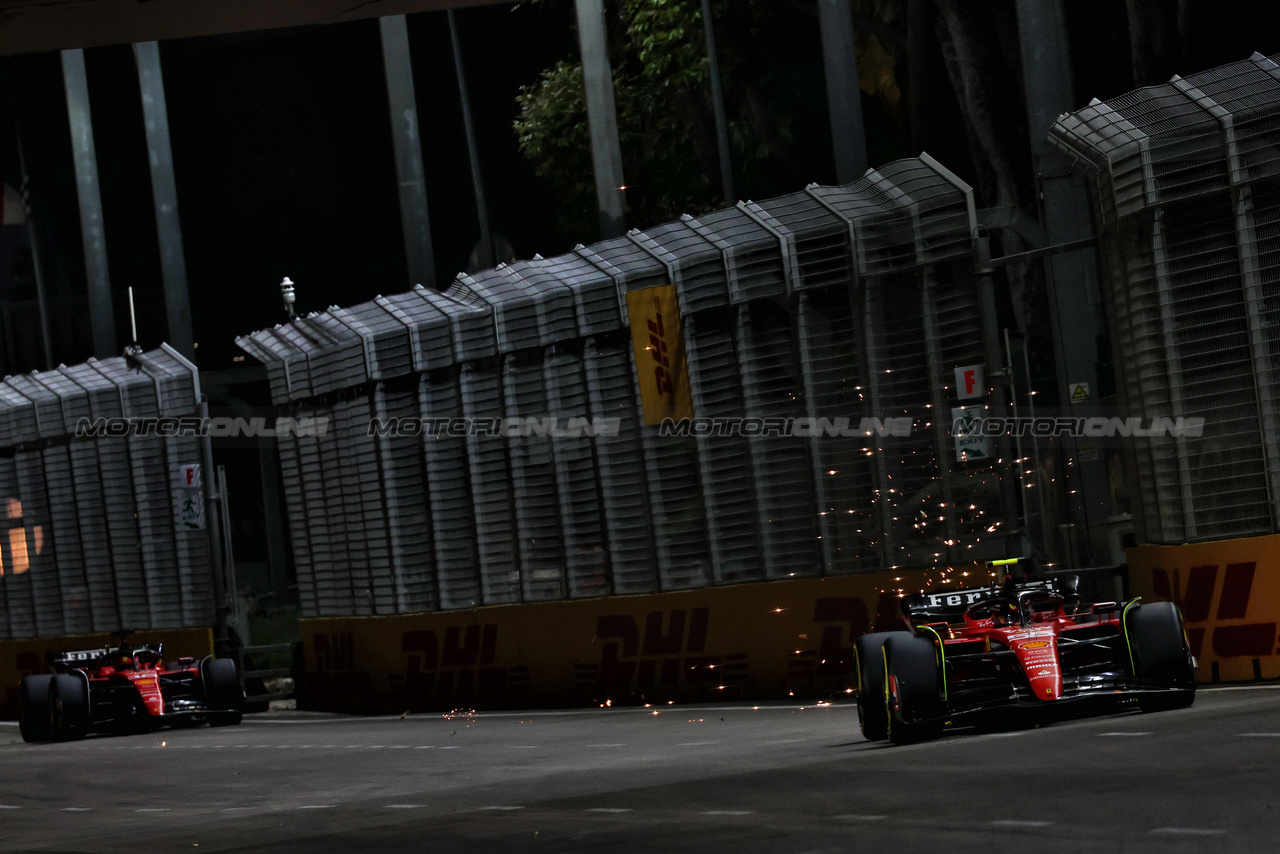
[[283, 151]]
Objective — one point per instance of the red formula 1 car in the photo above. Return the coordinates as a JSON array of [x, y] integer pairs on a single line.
[[128, 688], [1016, 654]]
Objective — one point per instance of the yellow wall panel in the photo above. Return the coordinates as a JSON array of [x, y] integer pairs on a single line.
[[1229, 594], [769, 640]]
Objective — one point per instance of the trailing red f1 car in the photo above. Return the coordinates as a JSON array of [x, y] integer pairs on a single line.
[[1019, 653], [127, 688]]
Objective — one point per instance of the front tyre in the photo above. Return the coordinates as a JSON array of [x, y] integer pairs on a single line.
[[69, 706], [868, 656], [33, 707], [913, 702], [1161, 655], [222, 689]]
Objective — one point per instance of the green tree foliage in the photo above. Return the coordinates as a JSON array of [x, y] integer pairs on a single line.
[[665, 119]]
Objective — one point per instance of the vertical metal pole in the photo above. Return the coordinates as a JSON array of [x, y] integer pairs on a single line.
[[274, 512], [232, 588], [405, 136], [602, 118], [1011, 536], [173, 263], [717, 106], [1019, 459], [941, 429], [223, 610], [1075, 303], [41, 298], [865, 307], [844, 99], [85, 156], [477, 184]]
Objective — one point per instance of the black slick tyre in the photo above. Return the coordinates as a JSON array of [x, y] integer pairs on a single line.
[[33, 707], [223, 691], [913, 703], [69, 706], [869, 666], [1158, 643]]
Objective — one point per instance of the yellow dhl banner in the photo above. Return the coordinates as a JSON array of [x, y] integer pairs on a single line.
[[764, 640], [1229, 595], [658, 340]]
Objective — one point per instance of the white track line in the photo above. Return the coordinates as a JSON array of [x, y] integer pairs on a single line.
[[1013, 822]]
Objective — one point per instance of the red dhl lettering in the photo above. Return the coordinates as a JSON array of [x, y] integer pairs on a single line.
[[658, 351], [1195, 599]]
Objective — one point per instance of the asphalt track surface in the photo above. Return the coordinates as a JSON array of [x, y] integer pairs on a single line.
[[678, 778]]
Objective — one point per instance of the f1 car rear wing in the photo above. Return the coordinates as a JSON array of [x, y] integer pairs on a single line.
[[84, 657], [75, 658], [939, 606]]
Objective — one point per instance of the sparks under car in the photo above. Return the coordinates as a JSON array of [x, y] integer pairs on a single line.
[[1019, 653], [128, 688]]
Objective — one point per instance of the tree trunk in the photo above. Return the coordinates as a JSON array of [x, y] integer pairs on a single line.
[[920, 16], [990, 100], [1155, 39]]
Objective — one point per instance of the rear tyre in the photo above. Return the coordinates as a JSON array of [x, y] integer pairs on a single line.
[[33, 707], [913, 703], [223, 691], [1161, 655], [869, 665], [69, 706]]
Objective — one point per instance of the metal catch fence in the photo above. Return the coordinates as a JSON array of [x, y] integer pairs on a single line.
[[838, 309]]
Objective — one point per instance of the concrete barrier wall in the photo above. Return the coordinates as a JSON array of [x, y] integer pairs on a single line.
[[750, 641], [19, 658], [1229, 593]]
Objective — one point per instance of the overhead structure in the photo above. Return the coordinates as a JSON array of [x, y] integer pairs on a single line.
[[1186, 183], [451, 476], [36, 26]]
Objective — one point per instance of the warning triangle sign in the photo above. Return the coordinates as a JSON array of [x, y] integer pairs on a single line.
[[1079, 391]]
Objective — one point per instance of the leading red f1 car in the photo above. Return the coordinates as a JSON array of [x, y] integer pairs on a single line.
[[1019, 653], [129, 688]]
